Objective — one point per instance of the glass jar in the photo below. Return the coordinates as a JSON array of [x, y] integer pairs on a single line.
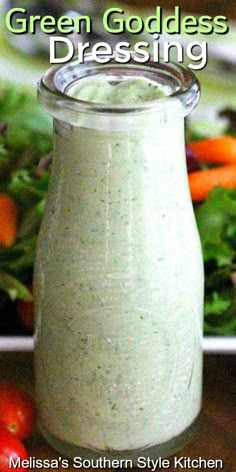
[[119, 273]]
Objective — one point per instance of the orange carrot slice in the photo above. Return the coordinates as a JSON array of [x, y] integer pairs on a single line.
[[8, 220], [201, 182], [219, 150]]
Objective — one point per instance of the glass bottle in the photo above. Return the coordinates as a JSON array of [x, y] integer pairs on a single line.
[[119, 273]]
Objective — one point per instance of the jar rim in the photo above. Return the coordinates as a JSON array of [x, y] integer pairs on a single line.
[[184, 85]]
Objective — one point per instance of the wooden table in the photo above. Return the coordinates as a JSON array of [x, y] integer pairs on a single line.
[[217, 435]]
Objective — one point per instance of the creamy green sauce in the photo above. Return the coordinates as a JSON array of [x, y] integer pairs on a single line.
[[127, 92], [119, 280]]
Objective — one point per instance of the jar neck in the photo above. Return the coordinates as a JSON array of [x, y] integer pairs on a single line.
[[146, 120], [179, 83], [110, 155]]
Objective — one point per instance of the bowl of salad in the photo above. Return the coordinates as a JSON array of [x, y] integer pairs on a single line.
[[25, 160]]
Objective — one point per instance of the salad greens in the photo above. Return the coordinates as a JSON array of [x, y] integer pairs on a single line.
[[216, 220], [25, 157], [25, 136]]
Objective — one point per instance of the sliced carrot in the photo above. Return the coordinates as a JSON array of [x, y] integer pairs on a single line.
[[8, 220], [219, 150], [201, 182]]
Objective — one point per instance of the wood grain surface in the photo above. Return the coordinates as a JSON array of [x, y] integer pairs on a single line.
[[216, 438]]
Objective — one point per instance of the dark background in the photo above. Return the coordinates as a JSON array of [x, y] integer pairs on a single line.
[[204, 7]]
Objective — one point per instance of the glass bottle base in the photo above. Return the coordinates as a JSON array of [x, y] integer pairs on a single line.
[[154, 452]]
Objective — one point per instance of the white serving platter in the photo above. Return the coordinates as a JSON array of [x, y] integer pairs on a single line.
[[211, 344]]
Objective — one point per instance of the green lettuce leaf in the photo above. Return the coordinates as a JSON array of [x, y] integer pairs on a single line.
[[14, 288], [216, 220]]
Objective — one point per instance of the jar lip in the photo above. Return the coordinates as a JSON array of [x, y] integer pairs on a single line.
[[57, 80]]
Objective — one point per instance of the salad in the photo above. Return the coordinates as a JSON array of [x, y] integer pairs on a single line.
[[25, 159]]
